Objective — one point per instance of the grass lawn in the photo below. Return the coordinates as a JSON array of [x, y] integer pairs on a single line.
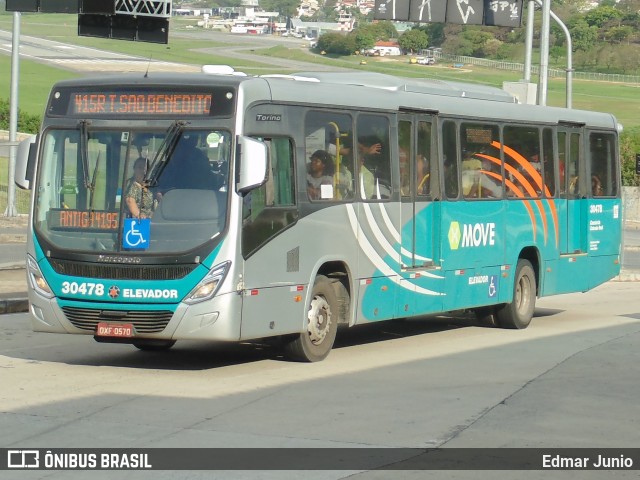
[[23, 197]]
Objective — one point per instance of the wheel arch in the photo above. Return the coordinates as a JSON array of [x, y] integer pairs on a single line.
[[339, 272], [532, 254]]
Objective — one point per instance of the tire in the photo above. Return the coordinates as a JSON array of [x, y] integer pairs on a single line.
[[518, 313], [154, 345], [486, 316], [315, 343]]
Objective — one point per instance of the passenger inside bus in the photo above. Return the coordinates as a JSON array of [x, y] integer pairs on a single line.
[[320, 170], [138, 197], [470, 175], [596, 186], [534, 161], [367, 148], [343, 177], [477, 181], [422, 174]]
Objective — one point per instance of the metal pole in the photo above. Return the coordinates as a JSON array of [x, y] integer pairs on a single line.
[[528, 41], [544, 53], [11, 210], [569, 86], [569, 99]]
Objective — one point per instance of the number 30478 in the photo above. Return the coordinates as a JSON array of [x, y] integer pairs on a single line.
[[83, 288]]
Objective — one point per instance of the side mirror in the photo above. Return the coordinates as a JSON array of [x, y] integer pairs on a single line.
[[252, 163], [26, 162]]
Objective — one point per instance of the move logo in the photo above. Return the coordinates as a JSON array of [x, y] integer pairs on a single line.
[[471, 235]]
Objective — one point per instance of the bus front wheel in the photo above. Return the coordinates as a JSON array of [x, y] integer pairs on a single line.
[[519, 312], [315, 343]]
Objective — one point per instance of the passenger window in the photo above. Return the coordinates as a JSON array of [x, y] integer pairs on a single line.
[[481, 166], [271, 207], [603, 164], [329, 162], [548, 163], [573, 166], [523, 166], [404, 151], [450, 159], [373, 157], [423, 159]]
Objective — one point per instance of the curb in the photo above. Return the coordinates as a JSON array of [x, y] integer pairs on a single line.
[[627, 277], [14, 303]]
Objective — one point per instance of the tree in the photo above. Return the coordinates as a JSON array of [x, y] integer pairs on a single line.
[[629, 7], [383, 30], [627, 59], [556, 53], [413, 40], [619, 34], [376, 31], [599, 16], [459, 45], [478, 39], [364, 39], [584, 36], [491, 47], [337, 43], [629, 147], [286, 8], [606, 57], [435, 32], [26, 123], [225, 3]]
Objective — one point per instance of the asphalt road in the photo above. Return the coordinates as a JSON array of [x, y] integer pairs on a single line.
[[569, 380], [87, 60]]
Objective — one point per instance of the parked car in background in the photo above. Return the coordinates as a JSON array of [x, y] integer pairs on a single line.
[[426, 61]]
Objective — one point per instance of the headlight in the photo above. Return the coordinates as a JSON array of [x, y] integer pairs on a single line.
[[208, 287], [36, 279]]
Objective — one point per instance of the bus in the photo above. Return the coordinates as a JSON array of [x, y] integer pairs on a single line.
[[430, 197]]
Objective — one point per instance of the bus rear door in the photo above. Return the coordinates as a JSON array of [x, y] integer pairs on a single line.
[[420, 216], [572, 211]]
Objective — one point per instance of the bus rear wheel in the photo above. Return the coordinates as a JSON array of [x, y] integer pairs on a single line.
[[519, 312], [315, 343]]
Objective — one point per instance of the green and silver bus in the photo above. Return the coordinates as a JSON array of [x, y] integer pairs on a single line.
[[220, 206]]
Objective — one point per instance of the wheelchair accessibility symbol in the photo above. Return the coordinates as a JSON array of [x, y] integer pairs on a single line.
[[136, 233], [493, 286]]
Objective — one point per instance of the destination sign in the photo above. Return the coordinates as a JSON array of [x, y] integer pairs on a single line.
[[67, 219], [136, 102], [141, 103]]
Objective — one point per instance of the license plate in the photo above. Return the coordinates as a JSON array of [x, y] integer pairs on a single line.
[[114, 329]]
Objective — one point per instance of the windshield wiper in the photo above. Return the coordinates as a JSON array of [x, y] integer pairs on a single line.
[[92, 187], [84, 155], [165, 151]]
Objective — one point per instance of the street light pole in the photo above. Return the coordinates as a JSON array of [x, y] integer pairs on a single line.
[[11, 210], [544, 52], [529, 41]]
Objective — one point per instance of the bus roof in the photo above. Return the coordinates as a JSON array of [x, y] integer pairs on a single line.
[[398, 84], [357, 89]]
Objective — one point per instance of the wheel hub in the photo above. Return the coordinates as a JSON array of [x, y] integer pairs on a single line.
[[319, 320]]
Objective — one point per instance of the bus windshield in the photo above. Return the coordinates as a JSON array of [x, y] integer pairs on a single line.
[[171, 181]]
